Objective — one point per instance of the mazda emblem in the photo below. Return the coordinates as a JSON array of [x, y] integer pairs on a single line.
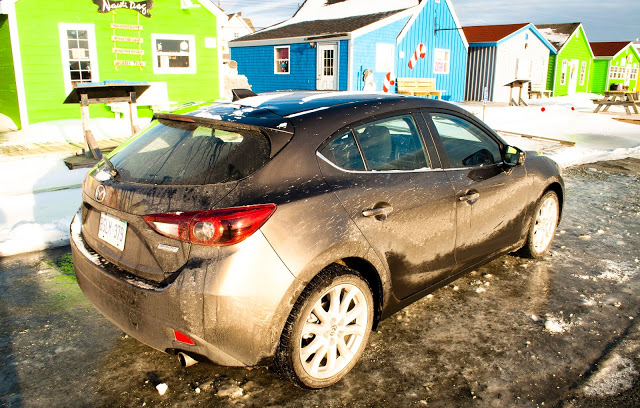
[[101, 193]]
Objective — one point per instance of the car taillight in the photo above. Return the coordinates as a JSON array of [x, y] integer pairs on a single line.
[[214, 227]]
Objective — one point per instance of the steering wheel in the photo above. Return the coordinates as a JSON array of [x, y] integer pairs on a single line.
[[482, 156]]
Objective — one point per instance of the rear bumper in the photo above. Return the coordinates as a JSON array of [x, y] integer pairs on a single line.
[[234, 308]]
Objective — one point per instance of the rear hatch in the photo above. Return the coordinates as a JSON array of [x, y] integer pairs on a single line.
[[179, 164]]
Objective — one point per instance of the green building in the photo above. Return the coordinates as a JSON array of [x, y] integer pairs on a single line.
[[569, 71], [615, 66], [48, 46]]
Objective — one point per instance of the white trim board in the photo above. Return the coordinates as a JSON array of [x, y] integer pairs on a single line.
[[9, 9]]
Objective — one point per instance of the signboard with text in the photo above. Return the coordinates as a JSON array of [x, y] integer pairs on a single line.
[[107, 6]]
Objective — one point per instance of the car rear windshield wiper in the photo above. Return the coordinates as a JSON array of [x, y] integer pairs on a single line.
[[93, 146]]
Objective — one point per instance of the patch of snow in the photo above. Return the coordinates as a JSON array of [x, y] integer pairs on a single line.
[[162, 388], [619, 272], [319, 10], [229, 389], [555, 325], [616, 374], [553, 36]]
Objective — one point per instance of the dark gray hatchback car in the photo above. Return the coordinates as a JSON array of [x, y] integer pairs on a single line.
[[281, 228]]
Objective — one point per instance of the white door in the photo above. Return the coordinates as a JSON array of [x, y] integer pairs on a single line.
[[327, 72], [574, 71]]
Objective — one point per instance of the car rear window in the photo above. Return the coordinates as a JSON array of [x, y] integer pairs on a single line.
[[182, 153]]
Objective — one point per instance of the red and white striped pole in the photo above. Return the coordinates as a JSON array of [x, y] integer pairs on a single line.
[[388, 82], [421, 50]]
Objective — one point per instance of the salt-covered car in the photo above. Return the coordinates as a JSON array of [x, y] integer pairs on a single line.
[[281, 228]]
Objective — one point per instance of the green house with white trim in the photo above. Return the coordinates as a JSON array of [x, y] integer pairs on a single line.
[[570, 69], [48, 46], [616, 66]]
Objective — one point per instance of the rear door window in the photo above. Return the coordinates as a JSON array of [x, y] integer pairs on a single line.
[[343, 152], [392, 144], [184, 153]]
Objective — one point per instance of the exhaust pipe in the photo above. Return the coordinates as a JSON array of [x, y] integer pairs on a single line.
[[186, 360]]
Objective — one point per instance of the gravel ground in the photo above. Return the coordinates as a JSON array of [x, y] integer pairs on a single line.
[[563, 331]]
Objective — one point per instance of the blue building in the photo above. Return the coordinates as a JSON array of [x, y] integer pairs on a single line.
[[340, 44]]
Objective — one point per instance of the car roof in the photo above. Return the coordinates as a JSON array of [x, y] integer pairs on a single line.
[[297, 103], [276, 110]]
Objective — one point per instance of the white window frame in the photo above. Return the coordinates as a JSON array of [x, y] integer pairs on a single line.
[[191, 69], [633, 75], [563, 72], [276, 59], [583, 72], [64, 50], [438, 55]]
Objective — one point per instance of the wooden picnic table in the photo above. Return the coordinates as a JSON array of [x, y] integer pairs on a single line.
[[627, 99]]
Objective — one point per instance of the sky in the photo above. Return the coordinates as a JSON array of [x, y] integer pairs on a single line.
[[609, 20]]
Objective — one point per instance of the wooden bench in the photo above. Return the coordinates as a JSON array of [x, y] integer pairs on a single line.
[[539, 93], [418, 87]]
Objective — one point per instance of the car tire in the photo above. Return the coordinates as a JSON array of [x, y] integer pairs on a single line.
[[543, 226], [327, 329]]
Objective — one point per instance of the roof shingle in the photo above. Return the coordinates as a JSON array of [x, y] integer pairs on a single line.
[[607, 49], [490, 33]]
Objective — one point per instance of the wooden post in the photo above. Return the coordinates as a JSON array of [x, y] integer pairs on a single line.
[[520, 100], [133, 113], [84, 113]]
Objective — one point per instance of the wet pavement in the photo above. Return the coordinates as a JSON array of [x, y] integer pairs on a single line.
[[563, 331]]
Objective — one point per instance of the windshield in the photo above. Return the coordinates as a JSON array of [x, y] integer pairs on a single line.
[[182, 153]]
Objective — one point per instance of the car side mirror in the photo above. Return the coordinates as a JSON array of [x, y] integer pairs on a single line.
[[513, 156]]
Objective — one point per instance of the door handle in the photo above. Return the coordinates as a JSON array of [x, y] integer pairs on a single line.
[[379, 213], [469, 197]]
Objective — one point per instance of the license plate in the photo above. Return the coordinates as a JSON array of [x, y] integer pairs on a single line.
[[112, 230]]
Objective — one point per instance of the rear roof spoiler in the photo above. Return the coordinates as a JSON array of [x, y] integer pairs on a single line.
[[278, 137], [241, 93]]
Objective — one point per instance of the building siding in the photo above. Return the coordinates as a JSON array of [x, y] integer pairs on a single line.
[[551, 71], [599, 76], [622, 60], [343, 75], [8, 91], [576, 49], [481, 68], [364, 53], [435, 16], [42, 59], [257, 64], [536, 54]]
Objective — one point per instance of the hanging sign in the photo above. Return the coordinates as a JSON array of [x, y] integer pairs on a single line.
[[127, 63], [142, 7], [127, 26], [128, 51], [120, 38]]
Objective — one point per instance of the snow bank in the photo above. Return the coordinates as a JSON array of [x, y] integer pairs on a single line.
[[617, 374], [597, 137], [70, 131], [37, 173], [32, 222]]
